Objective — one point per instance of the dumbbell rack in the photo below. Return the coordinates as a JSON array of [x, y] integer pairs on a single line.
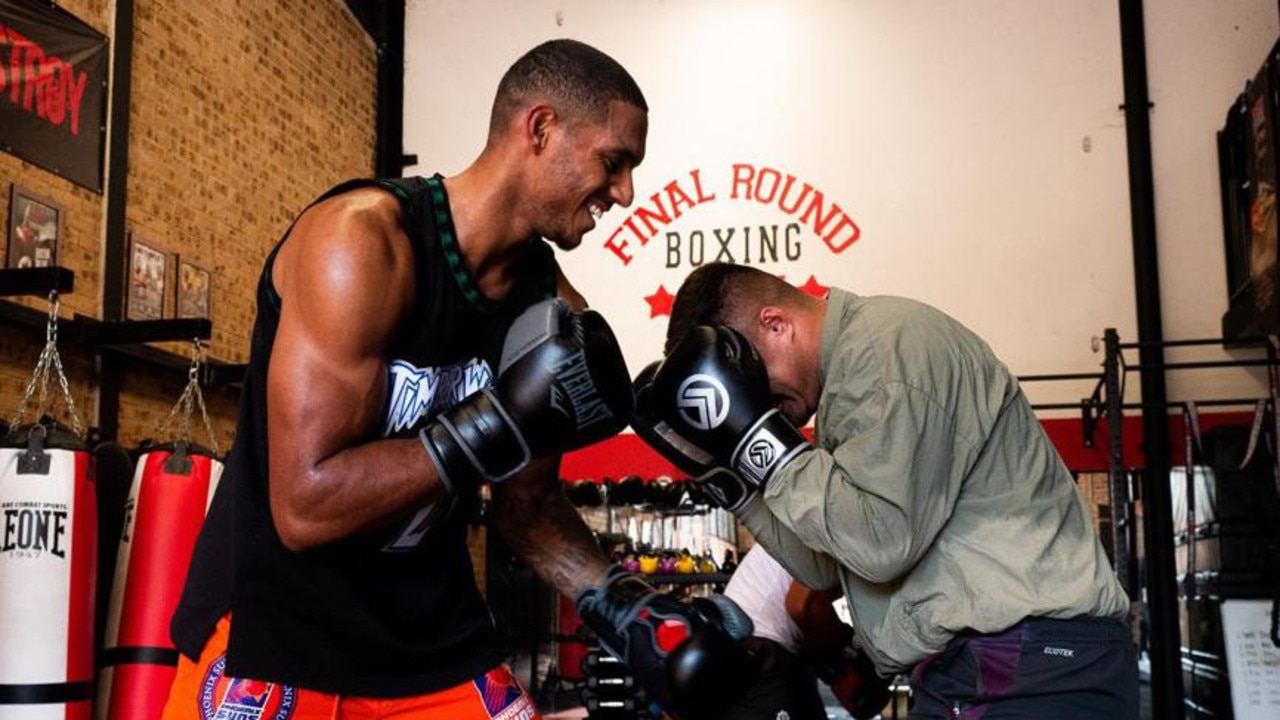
[[610, 691]]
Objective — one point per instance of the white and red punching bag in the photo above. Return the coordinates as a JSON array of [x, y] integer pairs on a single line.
[[171, 490], [48, 558]]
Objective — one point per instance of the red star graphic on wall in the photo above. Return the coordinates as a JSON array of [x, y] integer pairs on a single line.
[[660, 302], [813, 287]]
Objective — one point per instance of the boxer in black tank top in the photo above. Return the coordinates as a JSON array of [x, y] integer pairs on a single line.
[[333, 562], [354, 586]]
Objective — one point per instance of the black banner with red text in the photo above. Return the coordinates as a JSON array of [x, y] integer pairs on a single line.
[[53, 71]]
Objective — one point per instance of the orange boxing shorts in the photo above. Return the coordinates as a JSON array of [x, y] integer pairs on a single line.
[[201, 691]]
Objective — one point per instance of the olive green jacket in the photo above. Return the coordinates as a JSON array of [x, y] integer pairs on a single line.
[[932, 492]]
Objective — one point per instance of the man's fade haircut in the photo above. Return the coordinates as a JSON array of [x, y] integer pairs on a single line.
[[721, 293], [578, 80]]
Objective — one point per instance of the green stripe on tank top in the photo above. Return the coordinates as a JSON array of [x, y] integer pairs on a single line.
[[449, 244], [406, 201]]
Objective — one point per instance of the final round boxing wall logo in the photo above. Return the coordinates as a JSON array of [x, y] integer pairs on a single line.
[[226, 698], [702, 401]]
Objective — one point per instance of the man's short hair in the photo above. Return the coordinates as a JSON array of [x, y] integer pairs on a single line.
[[724, 294], [577, 80]]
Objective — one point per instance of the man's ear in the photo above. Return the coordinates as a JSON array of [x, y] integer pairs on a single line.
[[538, 121], [774, 320]]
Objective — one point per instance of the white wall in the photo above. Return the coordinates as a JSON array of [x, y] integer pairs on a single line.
[[979, 148], [1200, 53]]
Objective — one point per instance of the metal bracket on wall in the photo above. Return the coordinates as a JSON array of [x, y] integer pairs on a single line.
[[1091, 408], [214, 374], [130, 338], [92, 333], [36, 281], [1091, 412], [127, 337]]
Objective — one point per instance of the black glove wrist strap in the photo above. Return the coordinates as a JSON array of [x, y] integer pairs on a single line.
[[726, 487], [609, 608], [431, 437], [474, 441], [767, 447]]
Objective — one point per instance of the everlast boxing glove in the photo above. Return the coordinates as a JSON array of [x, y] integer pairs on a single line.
[[721, 484], [687, 654], [562, 384], [712, 392]]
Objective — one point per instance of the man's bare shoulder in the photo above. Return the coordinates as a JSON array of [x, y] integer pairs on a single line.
[[356, 239], [371, 209]]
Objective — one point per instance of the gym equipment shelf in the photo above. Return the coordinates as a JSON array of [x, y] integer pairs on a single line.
[[36, 281], [123, 337]]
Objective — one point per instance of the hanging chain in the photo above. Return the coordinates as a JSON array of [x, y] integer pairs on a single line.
[[191, 399], [49, 360]]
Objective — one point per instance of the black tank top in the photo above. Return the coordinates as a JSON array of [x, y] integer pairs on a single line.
[[385, 614]]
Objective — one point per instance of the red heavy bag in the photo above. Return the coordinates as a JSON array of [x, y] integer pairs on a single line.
[[170, 494], [48, 555], [571, 641]]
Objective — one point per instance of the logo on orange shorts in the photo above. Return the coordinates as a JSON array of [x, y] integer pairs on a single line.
[[226, 698], [503, 697]]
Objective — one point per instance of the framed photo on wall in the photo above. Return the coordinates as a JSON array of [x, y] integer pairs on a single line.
[[148, 271], [192, 291], [35, 230]]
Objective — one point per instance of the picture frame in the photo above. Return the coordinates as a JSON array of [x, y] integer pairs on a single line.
[[1248, 174], [192, 290], [148, 273], [35, 229]]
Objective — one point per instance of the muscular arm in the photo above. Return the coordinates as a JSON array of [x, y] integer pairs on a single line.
[[345, 280], [535, 518]]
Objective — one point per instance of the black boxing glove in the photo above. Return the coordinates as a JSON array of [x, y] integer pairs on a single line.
[[712, 395], [658, 434], [562, 384], [687, 654], [724, 486]]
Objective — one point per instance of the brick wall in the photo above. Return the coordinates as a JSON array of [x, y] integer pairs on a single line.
[[1095, 488], [242, 112]]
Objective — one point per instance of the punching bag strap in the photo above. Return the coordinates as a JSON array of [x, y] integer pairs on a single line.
[[49, 365], [34, 460], [45, 693], [179, 463]]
